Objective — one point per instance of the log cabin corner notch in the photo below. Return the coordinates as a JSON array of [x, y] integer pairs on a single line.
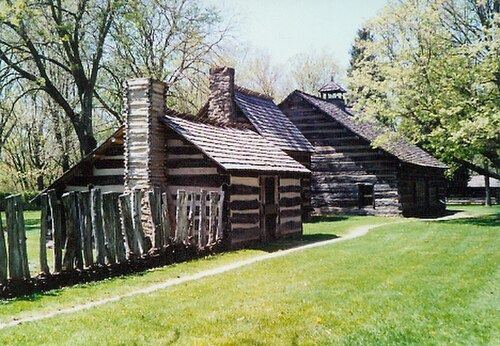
[[349, 175]]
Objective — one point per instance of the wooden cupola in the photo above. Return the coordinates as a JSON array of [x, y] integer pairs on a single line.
[[332, 91]]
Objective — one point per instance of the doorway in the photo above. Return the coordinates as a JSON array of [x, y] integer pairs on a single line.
[[269, 207]]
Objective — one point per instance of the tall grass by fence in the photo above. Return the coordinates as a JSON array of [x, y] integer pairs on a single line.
[[95, 235]]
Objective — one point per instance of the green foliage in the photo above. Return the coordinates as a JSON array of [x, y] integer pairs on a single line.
[[432, 70]]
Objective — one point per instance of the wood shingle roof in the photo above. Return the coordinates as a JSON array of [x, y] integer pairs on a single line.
[[235, 148], [270, 122], [400, 148]]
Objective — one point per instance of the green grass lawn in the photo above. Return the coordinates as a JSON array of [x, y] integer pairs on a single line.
[[416, 282]]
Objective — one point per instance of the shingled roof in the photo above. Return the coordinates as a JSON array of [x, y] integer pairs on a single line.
[[270, 122], [401, 149], [234, 148]]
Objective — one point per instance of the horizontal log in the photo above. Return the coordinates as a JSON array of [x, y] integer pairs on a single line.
[[290, 213], [192, 150], [183, 163], [290, 188], [237, 189], [243, 205], [97, 180], [245, 218], [290, 226], [196, 180], [109, 163], [288, 202]]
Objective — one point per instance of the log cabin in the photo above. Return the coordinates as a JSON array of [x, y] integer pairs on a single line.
[[350, 174], [229, 102], [159, 147]]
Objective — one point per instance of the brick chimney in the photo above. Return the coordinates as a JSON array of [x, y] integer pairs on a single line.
[[145, 141], [221, 105]]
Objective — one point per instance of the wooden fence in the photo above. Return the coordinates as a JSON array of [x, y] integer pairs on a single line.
[[93, 230]]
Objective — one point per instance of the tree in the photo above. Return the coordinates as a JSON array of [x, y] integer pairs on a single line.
[[40, 37], [174, 41], [435, 72], [310, 72]]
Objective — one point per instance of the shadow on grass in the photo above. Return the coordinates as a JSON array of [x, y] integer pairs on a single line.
[[447, 212], [483, 221], [285, 244], [327, 218]]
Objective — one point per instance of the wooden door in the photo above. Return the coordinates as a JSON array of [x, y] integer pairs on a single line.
[[269, 207]]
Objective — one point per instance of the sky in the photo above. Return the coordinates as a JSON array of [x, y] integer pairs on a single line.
[[286, 28]]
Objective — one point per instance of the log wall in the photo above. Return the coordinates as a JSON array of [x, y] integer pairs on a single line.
[[341, 162], [106, 172], [422, 190], [290, 206], [305, 159]]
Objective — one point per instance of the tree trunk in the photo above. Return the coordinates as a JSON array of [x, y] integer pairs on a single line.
[[83, 126], [487, 191]]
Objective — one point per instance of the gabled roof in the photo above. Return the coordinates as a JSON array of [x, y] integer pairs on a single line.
[[401, 149], [332, 87], [234, 148], [269, 121]]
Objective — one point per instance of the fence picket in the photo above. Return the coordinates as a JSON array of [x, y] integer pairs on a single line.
[[128, 225], [165, 219], [212, 228], [137, 220], [86, 227], [121, 253], [3, 255], [190, 218], [181, 216], [57, 234], [154, 201], [202, 226], [44, 267], [109, 226], [15, 264], [73, 250], [97, 228], [220, 208], [23, 251]]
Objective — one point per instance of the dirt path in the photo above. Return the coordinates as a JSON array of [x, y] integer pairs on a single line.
[[354, 233]]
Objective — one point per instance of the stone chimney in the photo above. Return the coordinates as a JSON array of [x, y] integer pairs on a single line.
[[145, 140], [221, 106]]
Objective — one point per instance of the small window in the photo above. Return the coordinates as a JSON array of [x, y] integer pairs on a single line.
[[365, 195]]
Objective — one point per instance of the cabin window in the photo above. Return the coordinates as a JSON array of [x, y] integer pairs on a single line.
[[365, 195]]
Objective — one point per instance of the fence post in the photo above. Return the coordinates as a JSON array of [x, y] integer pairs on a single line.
[[121, 253], [22, 237], [128, 225], [96, 207], [55, 212], [202, 226], [73, 249], [137, 219], [109, 226], [212, 228], [165, 223], [86, 227], [220, 216], [181, 216], [190, 219], [154, 201], [3, 255], [15, 264], [44, 267]]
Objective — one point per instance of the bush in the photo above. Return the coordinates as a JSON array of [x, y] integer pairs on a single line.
[[26, 198]]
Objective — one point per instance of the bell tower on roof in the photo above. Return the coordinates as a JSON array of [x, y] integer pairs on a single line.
[[332, 91]]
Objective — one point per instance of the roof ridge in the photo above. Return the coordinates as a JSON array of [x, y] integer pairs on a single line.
[[249, 92], [199, 118]]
